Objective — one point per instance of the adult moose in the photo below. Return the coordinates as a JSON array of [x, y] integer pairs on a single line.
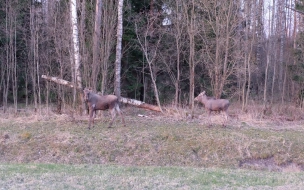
[[97, 102], [212, 104]]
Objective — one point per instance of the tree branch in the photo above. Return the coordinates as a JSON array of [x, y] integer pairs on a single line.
[[298, 11]]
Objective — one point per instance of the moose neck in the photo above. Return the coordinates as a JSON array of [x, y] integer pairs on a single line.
[[204, 99]]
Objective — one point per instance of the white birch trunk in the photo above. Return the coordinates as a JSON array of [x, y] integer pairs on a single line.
[[118, 50], [60, 81], [76, 65]]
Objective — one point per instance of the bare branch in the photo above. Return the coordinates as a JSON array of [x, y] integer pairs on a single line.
[[298, 11]]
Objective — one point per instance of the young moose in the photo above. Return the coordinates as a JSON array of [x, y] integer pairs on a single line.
[[97, 102], [212, 104]]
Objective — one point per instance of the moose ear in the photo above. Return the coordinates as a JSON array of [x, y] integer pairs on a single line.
[[86, 91]]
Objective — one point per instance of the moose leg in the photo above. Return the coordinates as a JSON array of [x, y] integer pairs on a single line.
[[120, 114], [91, 117], [209, 118], [113, 114], [94, 115], [226, 118]]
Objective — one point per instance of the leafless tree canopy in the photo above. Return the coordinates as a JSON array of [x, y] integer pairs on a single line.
[[157, 51]]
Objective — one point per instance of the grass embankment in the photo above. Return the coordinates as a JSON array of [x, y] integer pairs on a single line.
[[142, 149], [151, 141]]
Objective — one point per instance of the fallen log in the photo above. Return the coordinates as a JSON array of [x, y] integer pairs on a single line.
[[59, 81], [133, 102], [139, 104]]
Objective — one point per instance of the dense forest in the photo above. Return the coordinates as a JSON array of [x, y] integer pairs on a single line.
[[170, 50]]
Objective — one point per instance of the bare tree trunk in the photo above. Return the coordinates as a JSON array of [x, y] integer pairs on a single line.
[[47, 96], [34, 56], [7, 64], [259, 16], [273, 78], [284, 84], [177, 75], [144, 82], [288, 22], [268, 57], [96, 44], [14, 63], [35, 20], [247, 57], [118, 50], [37, 66], [272, 41], [178, 35], [250, 52], [149, 52], [86, 73], [2, 73], [294, 46], [153, 78], [26, 86], [249, 79], [266, 77], [191, 60], [108, 41], [246, 52], [282, 39]]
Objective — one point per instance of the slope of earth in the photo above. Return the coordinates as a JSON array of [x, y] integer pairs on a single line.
[[155, 140]]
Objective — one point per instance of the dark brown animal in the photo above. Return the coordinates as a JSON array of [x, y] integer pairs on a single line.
[[212, 104], [97, 102]]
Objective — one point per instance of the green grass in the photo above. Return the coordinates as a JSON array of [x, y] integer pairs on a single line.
[[57, 176]]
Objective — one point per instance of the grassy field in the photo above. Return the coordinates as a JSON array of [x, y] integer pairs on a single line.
[[155, 152], [57, 176]]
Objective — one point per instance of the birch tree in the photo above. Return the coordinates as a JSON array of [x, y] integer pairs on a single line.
[[75, 50], [75, 56], [118, 49]]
